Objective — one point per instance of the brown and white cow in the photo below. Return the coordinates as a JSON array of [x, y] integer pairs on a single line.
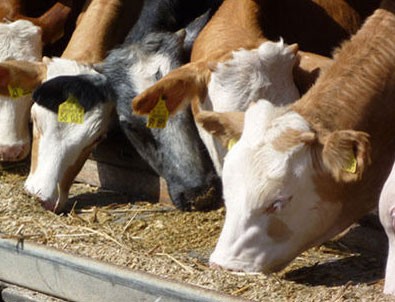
[[56, 150], [19, 40], [303, 173]]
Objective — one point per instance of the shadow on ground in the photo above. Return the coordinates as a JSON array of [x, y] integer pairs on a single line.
[[366, 244]]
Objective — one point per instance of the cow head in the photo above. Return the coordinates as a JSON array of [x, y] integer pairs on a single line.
[[249, 75], [279, 185], [175, 152], [265, 72], [17, 81], [19, 40], [70, 116]]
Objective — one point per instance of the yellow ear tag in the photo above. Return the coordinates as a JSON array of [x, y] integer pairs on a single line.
[[351, 166], [231, 143], [159, 115], [17, 92], [70, 111]]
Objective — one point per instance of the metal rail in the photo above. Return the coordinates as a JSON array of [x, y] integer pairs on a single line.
[[81, 279]]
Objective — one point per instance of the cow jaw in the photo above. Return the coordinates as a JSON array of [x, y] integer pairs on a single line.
[[59, 151], [273, 211]]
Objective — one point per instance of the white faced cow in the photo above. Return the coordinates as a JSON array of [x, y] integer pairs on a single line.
[[60, 147], [301, 174], [19, 40]]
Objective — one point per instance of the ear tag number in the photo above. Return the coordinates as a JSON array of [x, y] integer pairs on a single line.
[[351, 166], [17, 92], [71, 112], [159, 115], [231, 143]]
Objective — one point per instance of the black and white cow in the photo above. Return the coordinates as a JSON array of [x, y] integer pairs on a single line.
[[156, 44]]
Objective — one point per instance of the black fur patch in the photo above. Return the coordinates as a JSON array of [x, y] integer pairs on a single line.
[[89, 90]]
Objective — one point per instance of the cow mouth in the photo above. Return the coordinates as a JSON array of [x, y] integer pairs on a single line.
[[202, 198]]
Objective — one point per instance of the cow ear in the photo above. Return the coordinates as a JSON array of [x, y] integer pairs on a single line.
[[21, 76], [346, 154], [225, 126], [177, 88]]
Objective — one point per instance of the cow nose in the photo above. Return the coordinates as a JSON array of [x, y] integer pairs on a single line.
[[204, 197], [209, 198], [216, 266], [14, 153], [56, 206]]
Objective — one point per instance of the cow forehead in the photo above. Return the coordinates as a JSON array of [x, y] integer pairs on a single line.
[[20, 28], [265, 122], [259, 166], [47, 121], [143, 72]]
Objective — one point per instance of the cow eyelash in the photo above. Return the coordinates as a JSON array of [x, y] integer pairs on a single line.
[[277, 205]]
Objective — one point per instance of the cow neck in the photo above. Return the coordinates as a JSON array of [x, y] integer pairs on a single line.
[[243, 17], [356, 93], [351, 94], [94, 35]]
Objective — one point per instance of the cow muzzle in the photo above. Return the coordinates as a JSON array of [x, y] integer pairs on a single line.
[[14, 153]]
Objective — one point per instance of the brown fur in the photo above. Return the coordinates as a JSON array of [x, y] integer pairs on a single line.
[[9, 8], [357, 92], [224, 125], [97, 32], [308, 69], [278, 230], [35, 147], [182, 84], [292, 138], [25, 75]]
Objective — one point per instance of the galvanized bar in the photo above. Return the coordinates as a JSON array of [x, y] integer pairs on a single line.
[[73, 278]]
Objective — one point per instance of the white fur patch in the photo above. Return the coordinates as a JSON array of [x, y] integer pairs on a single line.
[[59, 66], [250, 75], [20, 40], [143, 73], [387, 219]]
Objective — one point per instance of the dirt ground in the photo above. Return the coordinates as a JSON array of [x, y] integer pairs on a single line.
[[176, 245]]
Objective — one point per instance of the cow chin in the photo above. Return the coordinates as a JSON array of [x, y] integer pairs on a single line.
[[250, 265]]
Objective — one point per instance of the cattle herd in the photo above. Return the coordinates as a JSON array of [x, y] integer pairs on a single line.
[[281, 109]]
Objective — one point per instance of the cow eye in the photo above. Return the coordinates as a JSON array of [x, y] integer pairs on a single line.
[[278, 204], [158, 75]]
